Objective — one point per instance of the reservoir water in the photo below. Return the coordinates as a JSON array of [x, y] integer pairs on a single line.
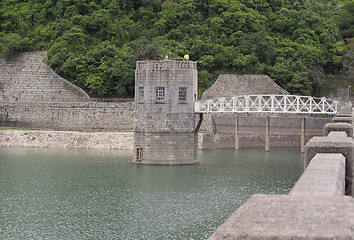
[[99, 194]]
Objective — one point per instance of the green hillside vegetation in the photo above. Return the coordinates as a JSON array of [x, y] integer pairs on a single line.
[[95, 43]]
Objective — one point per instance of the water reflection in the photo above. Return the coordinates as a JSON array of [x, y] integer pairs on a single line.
[[99, 194]]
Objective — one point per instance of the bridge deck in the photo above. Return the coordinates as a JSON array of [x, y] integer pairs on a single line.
[[268, 104]]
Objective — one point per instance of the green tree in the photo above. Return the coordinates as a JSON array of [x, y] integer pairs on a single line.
[[345, 20]]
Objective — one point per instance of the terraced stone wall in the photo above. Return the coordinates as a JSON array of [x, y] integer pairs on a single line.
[[32, 95]]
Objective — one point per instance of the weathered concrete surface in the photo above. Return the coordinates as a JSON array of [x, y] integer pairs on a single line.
[[166, 148], [325, 175], [290, 217], [342, 119], [335, 142], [70, 139], [340, 126], [66, 139], [283, 131]]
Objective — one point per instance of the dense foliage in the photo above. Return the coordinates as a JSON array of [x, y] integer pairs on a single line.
[[95, 43]]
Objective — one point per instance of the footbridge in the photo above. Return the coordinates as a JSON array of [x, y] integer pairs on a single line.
[[281, 104]]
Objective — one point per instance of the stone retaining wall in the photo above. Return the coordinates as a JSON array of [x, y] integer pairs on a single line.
[[27, 78], [32, 95], [67, 115]]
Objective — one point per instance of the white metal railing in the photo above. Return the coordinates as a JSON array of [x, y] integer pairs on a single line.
[[268, 104]]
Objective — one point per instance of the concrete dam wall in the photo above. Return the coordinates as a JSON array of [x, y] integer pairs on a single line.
[[32, 95], [284, 131]]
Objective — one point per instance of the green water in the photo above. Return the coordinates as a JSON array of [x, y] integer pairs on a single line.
[[99, 194]]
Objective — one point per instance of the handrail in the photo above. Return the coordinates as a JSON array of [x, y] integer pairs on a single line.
[[270, 103]]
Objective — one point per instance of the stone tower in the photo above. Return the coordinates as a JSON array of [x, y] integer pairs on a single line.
[[165, 129]]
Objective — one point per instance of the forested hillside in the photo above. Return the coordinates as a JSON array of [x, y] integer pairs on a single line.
[[95, 43]]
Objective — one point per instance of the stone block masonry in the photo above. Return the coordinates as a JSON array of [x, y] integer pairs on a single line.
[[27, 78], [33, 96], [165, 125], [229, 85], [68, 116]]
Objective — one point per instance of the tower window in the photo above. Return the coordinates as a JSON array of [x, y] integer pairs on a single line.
[[160, 93], [141, 93], [182, 94]]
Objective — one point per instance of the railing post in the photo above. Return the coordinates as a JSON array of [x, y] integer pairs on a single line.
[[237, 140], [267, 135], [268, 103], [303, 135], [233, 105], [260, 103], [272, 107], [247, 104], [222, 103]]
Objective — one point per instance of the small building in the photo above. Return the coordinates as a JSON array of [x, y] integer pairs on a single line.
[[165, 125]]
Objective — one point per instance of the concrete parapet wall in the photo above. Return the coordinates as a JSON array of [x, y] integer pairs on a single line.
[[335, 142], [283, 217], [342, 119], [344, 127], [325, 175]]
